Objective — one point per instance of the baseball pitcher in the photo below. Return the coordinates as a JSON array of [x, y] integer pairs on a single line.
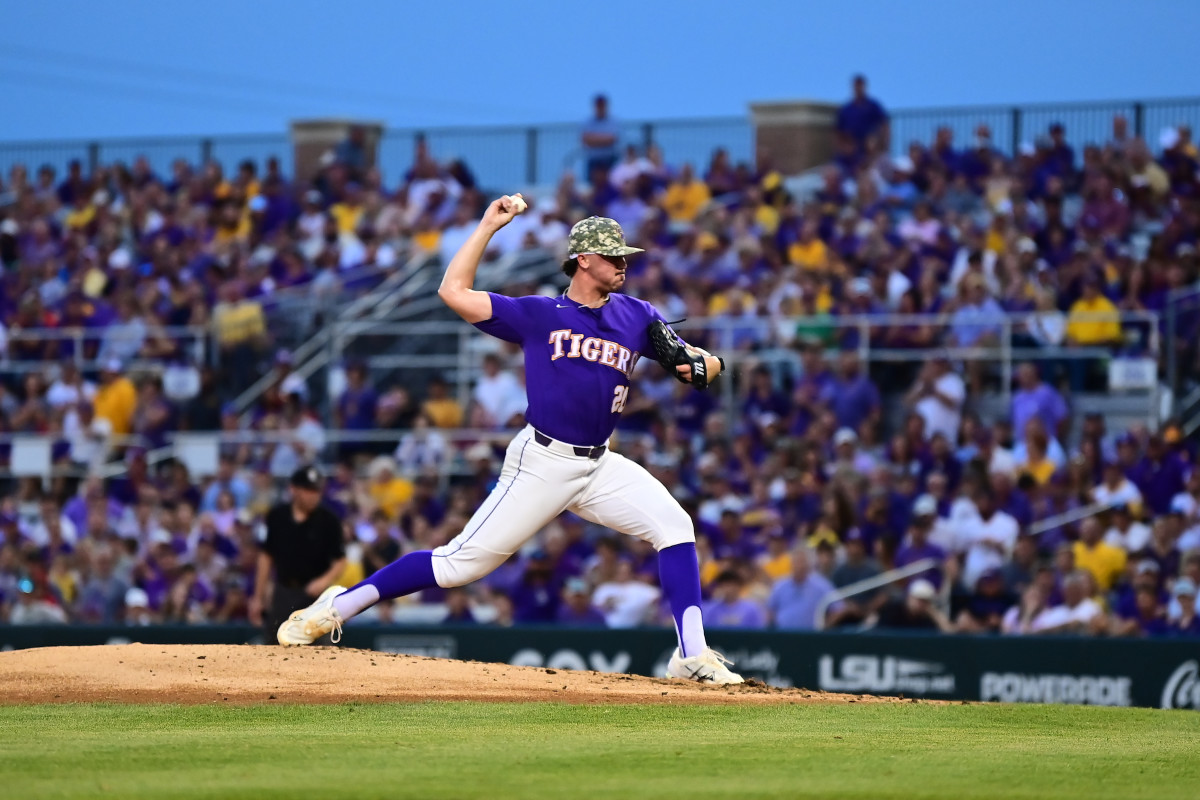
[[580, 349]]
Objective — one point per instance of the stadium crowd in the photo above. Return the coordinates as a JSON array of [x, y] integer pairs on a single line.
[[806, 486]]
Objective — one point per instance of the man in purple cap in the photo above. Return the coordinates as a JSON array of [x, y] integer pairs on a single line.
[[580, 349]]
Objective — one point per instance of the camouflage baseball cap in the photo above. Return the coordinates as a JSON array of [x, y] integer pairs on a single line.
[[599, 235]]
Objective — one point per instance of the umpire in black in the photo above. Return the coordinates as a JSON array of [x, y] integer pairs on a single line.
[[304, 549]]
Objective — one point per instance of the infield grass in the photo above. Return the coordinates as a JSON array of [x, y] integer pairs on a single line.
[[542, 750]]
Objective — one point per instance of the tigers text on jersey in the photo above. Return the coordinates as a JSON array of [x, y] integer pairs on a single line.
[[577, 359]]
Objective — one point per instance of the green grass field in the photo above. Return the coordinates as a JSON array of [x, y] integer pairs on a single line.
[[468, 750]]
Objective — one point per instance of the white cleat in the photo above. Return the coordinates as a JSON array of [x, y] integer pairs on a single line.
[[708, 667], [309, 624]]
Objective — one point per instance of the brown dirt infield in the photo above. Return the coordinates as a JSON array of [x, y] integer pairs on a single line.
[[245, 674]]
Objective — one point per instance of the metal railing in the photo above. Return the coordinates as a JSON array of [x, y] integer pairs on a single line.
[[315, 352], [195, 341], [527, 155], [1088, 122], [917, 567]]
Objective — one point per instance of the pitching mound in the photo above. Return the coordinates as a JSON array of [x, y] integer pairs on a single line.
[[139, 673]]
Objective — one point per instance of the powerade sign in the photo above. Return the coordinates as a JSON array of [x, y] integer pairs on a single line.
[[1091, 690], [1007, 669]]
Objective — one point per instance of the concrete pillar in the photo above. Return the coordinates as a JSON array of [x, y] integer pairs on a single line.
[[798, 134], [313, 138]]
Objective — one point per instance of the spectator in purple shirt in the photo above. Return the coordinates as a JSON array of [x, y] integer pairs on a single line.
[[535, 598], [851, 395], [728, 609], [729, 541], [1162, 549], [916, 546], [576, 607], [356, 407], [458, 608], [1159, 476], [863, 117], [1034, 398]]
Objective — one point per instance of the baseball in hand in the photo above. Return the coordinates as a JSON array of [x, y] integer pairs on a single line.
[[518, 203]]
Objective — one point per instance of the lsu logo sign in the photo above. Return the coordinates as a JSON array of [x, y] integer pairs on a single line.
[[884, 675]]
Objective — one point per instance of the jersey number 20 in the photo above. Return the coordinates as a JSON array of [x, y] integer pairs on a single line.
[[619, 397]]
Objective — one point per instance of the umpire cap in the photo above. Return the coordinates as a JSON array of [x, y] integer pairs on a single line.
[[599, 235], [307, 478]]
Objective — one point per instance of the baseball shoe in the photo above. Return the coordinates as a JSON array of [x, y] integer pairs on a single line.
[[708, 667], [309, 624]]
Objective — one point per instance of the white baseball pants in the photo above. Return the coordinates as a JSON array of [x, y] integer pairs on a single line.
[[537, 483]]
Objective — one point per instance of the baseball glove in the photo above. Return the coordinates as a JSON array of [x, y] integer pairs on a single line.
[[671, 353]]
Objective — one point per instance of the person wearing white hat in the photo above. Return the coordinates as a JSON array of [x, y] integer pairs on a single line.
[[1188, 622], [915, 611], [137, 607]]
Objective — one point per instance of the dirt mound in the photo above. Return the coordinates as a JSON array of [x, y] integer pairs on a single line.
[[140, 673]]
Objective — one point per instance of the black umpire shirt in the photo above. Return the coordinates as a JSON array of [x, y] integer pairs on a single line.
[[304, 550]]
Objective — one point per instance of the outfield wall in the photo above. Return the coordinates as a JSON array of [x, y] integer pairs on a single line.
[[1114, 672]]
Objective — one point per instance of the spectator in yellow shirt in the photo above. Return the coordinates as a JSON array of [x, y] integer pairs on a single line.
[[685, 196], [443, 409], [1104, 561], [386, 491], [241, 331], [116, 399], [776, 563], [809, 252], [1037, 464], [349, 212], [1085, 329]]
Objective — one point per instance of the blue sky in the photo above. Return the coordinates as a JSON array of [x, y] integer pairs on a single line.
[[75, 68]]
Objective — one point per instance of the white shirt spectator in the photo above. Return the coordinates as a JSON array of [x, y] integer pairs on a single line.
[[130, 527], [939, 417], [630, 170], [925, 232], [312, 232], [294, 383], [626, 604], [420, 191], [552, 233], [1048, 328], [987, 543], [1054, 617], [501, 396], [181, 382], [123, 340], [1132, 539], [40, 535], [962, 267], [89, 441], [307, 442], [897, 284], [1002, 461], [68, 394], [420, 449], [511, 238], [454, 237], [1126, 492], [1186, 503]]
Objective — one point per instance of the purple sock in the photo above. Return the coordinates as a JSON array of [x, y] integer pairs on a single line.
[[679, 573], [412, 573]]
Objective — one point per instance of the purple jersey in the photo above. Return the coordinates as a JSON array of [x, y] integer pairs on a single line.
[[577, 359]]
